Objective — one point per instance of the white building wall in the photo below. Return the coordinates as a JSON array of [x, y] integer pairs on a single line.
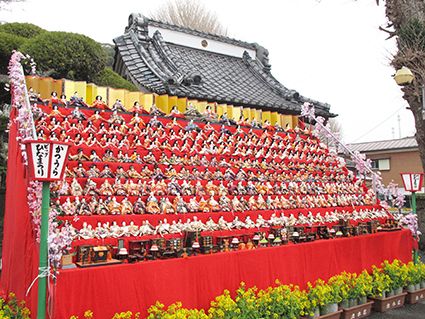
[[188, 40]]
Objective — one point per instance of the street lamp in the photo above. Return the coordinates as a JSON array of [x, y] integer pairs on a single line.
[[405, 77], [413, 183], [46, 163]]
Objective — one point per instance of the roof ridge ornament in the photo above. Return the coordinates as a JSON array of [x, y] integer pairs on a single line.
[[177, 74], [139, 24], [263, 56]]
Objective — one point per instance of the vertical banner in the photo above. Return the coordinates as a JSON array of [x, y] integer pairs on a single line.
[[40, 156], [59, 153]]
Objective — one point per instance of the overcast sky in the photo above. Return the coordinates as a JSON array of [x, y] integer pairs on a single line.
[[330, 50]]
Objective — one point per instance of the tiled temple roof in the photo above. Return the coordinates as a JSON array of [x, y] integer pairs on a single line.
[[161, 67]]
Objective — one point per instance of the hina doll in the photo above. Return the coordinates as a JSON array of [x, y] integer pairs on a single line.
[[126, 206], [90, 188], [175, 113], [82, 207], [76, 189], [204, 206], [213, 204], [106, 188], [237, 224], [139, 206], [152, 206], [210, 188], [210, 225], [187, 188], [193, 205], [114, 207], [173, 188], [225, 204], [199, 190], [146, 228], [165, 206], [237, 205], [223, 225], [101, 208], [106, 172]]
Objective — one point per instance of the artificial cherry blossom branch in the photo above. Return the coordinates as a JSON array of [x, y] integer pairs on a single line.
[[362, 164], [57, 240]]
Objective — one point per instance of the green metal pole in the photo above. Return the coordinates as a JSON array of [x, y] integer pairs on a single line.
[[415, 252], [42, 265]]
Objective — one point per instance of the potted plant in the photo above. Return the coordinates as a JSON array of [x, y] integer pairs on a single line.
[[363, 285], [413, 277], [322, 293], [380, 283], [421, 269], [398, 273], [339, 289], [223, 307], [246, 302], [283, 301]]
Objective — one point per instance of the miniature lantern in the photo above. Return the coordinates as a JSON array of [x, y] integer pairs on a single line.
[[195, 247], [412, 181], [235, 243], [47, 159], [154, 249], [256, 239]]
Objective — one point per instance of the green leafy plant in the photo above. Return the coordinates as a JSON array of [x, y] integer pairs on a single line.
[[321, 292], [23, 30], [414, 275], [380, 281], [288, 301], [283, 301], [339, 287], [397, 272], [67, 55], [107, 77], [13, 309], [223, 307], [12, 37]]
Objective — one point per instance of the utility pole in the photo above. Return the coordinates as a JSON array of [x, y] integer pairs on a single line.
[[399, 126]]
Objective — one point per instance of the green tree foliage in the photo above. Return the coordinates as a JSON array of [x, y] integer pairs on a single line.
[[24, 30], [8, 43], [110, 50], [107, 77], [69, 55], [12, 36]]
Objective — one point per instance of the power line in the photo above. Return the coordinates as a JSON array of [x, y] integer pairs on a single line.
[[379, 124]]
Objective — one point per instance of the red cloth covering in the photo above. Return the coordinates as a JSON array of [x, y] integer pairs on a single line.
[[20, 251], [196, 281]]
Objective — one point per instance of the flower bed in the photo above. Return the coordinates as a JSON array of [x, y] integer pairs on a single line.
[[288, 301]]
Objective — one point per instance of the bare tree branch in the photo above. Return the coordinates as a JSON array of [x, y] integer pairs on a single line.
[[190, 13]]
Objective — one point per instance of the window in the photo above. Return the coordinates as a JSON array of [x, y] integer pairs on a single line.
[[384, 164], [381, 164]]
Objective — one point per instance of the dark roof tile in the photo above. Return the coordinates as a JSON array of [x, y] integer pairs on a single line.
[[227, 79]]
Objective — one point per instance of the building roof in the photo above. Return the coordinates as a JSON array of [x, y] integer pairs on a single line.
[[226, 70], [404, 143]]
